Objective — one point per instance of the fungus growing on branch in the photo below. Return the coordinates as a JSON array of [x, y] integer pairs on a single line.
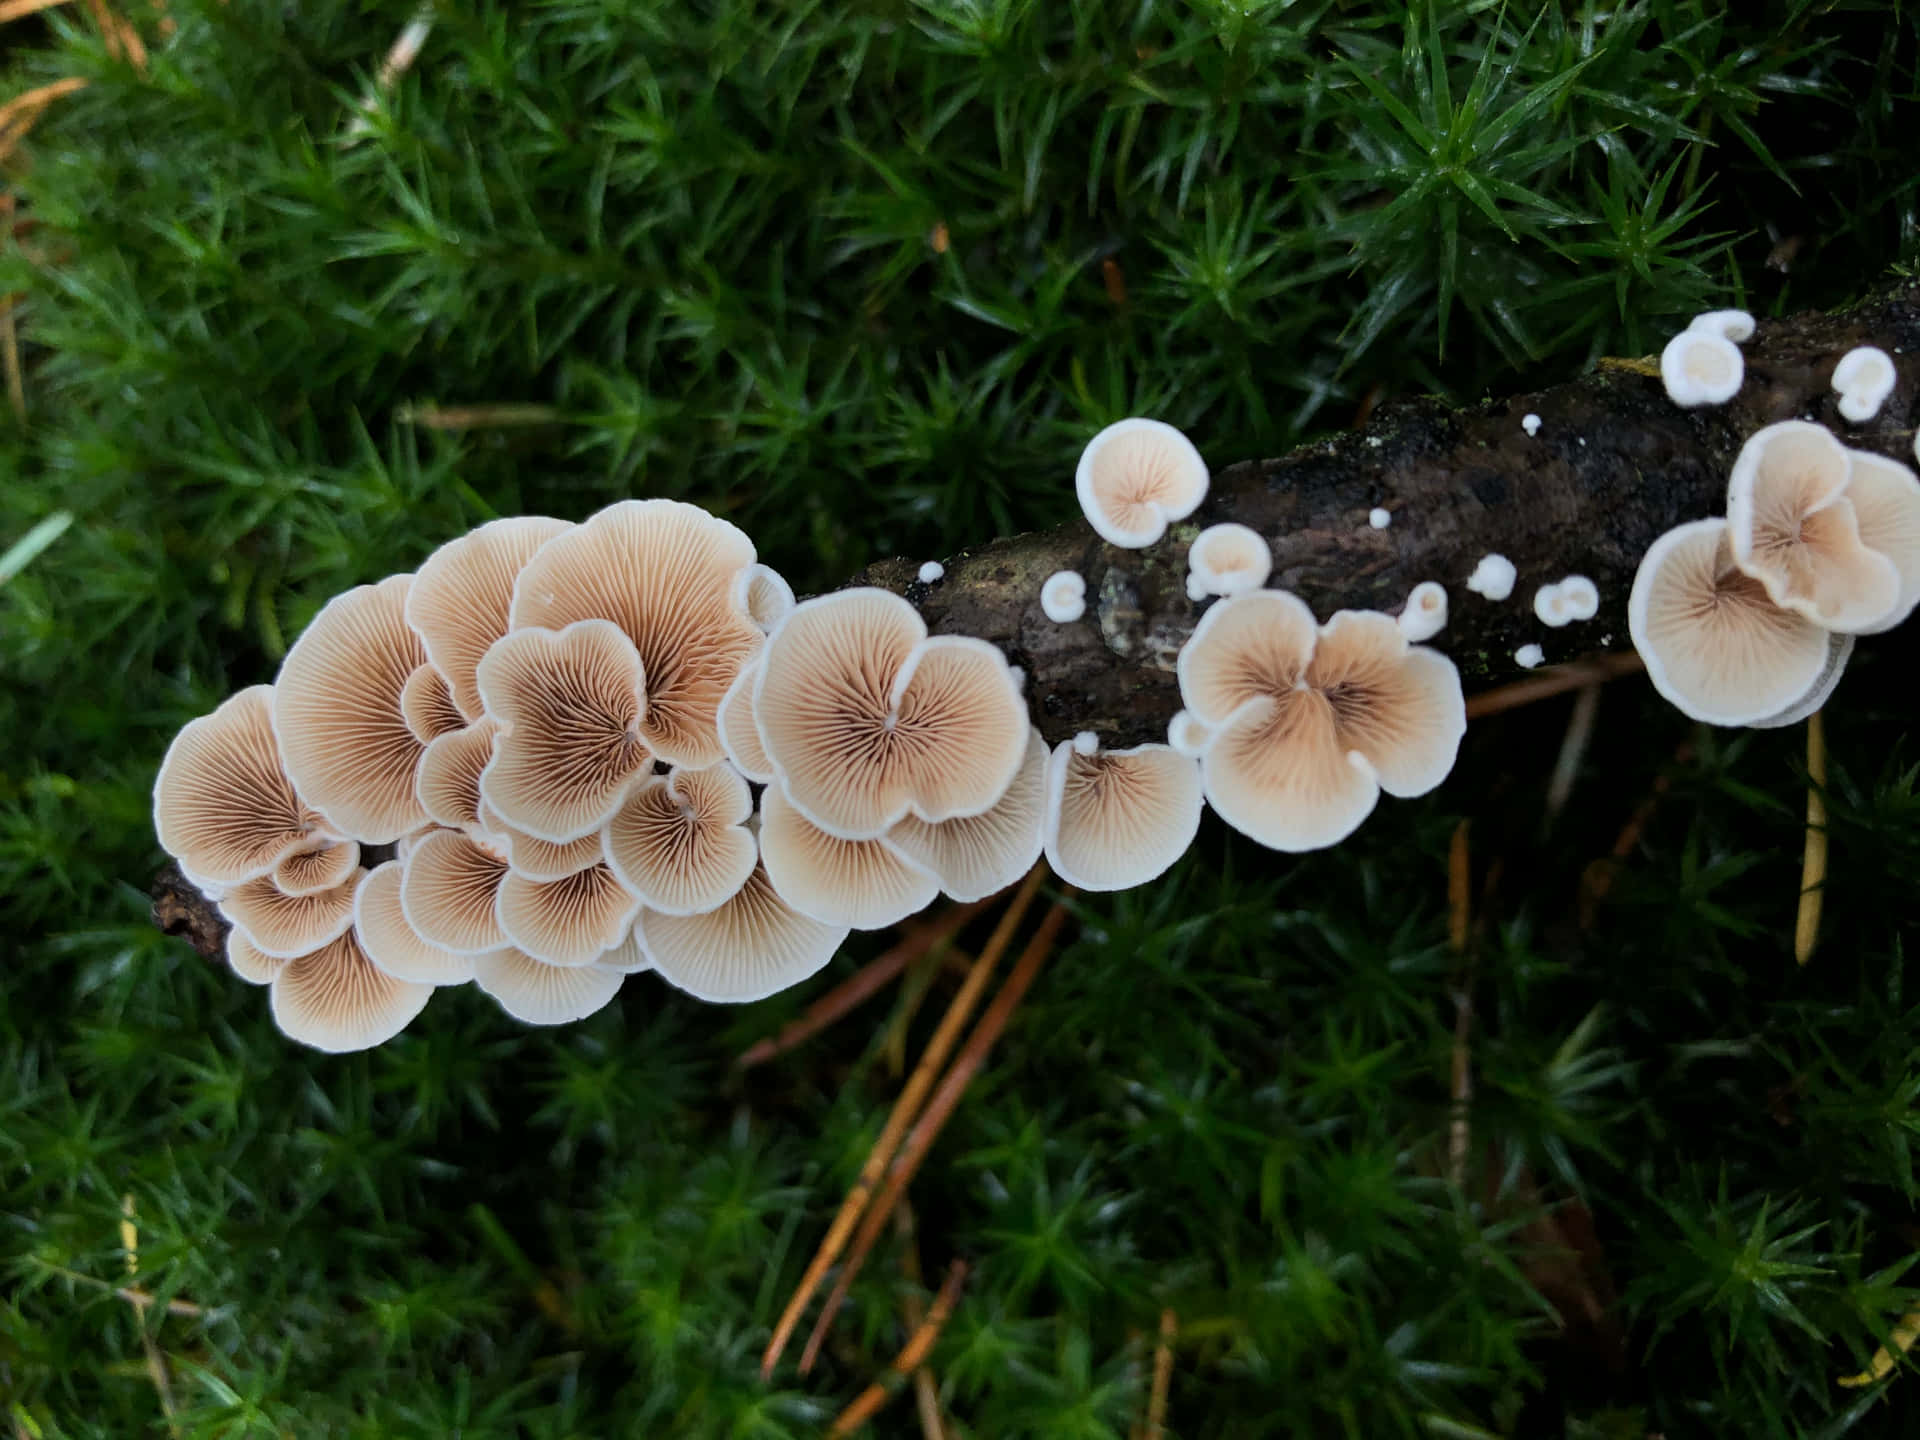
[[1134, 477], [858, 884], [285, 926], [539, 994], [753, 946], [975, 856], [571, 921], [1119, 818], [394, 946], [448, 894], [680, 841], [1227, 560], [1863, 379], [335, 999]]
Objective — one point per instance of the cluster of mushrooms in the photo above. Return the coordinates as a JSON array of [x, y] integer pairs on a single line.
[[1749, 619], [558, 754]]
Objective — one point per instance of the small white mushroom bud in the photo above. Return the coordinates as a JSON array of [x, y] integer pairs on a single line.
[[1064, 597]]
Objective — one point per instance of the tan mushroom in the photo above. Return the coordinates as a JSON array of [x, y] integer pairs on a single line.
[[285, 926], [680, 841], [538, 994], [426, 704], [448, 781], [1311, 723], [319, 864], [249, 961], [866, 720], [567, 922], [222, 805], [980, 855], [861, 884], [461, 597], [1713, 641], [1119, 818], [753, 946], [1792, 528], [335, 999], [739, 731], [764, 594], [449, 892], [1885, 496], [537, 859], [1134, 477], [336, 708], [665, 573], [626, 958], [1227, 560], [394, 946], [1839, 651], [572, 706]]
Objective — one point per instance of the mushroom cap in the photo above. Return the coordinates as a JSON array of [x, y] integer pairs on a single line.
[[572, 708], [980, 855], [449, 891], [222, 805], [1493, 577], [537, 859], [1863, 378], [1793, 529], [1230, 559], [1714, 644], [285, 926], [567, 922], [249, 961], [865, 719], [1701, 367], [626, 958], [1425, 613], [739, 731], [1580, 596], [394, 946], [664, 572], [680, 841], [462, 595], [763, 594], [1550, 606], [1119, 818], [1734, 325], [1885, 496], [1188, 734], [319, 864], [1839, 651], [1063, 596], [860, 884], [753, 946], [1313, 722], [335, 999], [336, 709], [426, 704], [1134, 477], [539, 994], [448, 780]]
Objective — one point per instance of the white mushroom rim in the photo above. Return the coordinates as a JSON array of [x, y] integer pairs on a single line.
[[1425, 613], [1863, 379], [1701, 367], [1227, 559], [1135, 477]]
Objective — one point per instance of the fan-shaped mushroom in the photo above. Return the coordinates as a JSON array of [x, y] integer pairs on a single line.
[[394, 946], [1227, 560], [1134, 477], [319, 864], [462, 595], [1119, 818], [739, 731], [862, 884], [753, 946], [538, 994], [336, 999], [426, 704], [1885, 496], [283, 925], [448, 781], [979, 855], [567, 922], [680, 841], [449, 891]]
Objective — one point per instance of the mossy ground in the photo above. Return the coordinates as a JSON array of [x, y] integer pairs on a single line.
[[862, 275]]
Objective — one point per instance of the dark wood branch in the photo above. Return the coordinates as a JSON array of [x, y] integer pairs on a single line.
[[1613, 465]]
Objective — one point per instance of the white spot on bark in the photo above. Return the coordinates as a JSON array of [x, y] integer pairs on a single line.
[[1530, 424], [1378, 518]]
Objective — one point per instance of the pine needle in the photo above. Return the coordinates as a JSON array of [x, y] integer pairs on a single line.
[[1813, 865]]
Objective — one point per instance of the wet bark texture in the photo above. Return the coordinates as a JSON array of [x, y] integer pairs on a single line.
[[1613, 465]]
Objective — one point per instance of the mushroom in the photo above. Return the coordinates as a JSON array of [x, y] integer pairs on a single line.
[[1550, 606], [1529, 657], [1379, 517], [1701, 367], [1134, 477], [1119, 818], [1839, 651], [1313, 722], [859, 884], [222, 805], [1734, 325], [764, 594], [739, 732], [572, 708], [448, 780], [336, 709], [426, 704], [449, 891], [319, 864], [980, 855], [680, 841], [1792, 528], [665, 572], [394, 946], [1580, 597], [626, 958], [1188, 734], [1863, 379], [866, 719], [461, 597], [753, 946], [1228, 560], [567, 922], [335, 999], [283, 925], [1714, 643], [539, 994], [1885, 496], [537, 859], [249, 961], [931, 572], [1425, 613], [1063, 597], [1493, 577]]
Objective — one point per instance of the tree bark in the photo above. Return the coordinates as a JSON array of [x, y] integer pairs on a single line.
[[1612, 466]]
